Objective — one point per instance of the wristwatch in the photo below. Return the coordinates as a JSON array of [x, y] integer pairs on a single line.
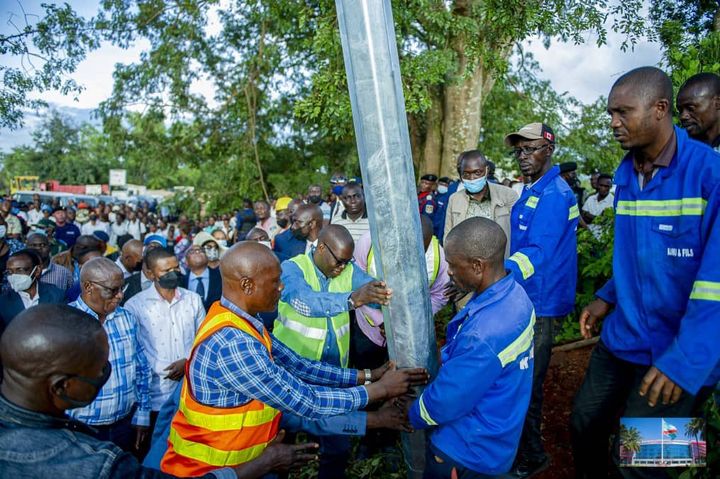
[[350, 303], [368, 376]]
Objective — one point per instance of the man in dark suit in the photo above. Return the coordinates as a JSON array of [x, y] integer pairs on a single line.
[[287, 245], [201, 279], [24, 269]]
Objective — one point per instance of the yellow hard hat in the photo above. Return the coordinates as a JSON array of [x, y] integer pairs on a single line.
[[282, 203]]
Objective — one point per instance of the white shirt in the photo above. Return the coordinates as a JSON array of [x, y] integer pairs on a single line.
[[117, 230], [125, 272], [595, 207], [29, 302], [309, 245], [136, 229], [89, 228], [167, 331], [34, 216]]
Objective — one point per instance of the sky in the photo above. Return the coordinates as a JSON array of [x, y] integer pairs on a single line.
[[649, 428], [585, 71]]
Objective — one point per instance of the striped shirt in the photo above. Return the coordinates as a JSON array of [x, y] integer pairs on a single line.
[[231, 367], [58, 276], [356, 228], [130, 378]]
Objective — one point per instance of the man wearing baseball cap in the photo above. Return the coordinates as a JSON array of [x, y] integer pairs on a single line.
[[543, 258]]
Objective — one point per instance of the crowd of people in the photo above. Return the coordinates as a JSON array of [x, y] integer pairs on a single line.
[[198, 347]]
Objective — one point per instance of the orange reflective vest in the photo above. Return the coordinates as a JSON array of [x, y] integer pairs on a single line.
[[203, 438]]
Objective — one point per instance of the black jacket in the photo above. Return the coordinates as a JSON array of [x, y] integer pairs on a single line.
[[214, 291]]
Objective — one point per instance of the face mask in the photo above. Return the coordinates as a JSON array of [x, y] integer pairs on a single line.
[[442, 189], [96, 383], [169, 280], [475, 186], [222, 243], [299, 234], [314, 199], [21, 282], [212, 254], [283, 222], [93, 218], [266, 243], [3, 230]]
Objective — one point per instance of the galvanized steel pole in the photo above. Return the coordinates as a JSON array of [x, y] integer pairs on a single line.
[[373, 72]]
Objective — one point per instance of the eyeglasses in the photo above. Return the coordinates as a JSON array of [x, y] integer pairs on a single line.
[[527, 150], [107, 292], [340, 262]]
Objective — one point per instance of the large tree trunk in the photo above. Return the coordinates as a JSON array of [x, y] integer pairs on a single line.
[[432, 153]]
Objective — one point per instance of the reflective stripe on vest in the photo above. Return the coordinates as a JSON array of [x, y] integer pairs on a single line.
[[203, 438], [306, 335], [432, 261]]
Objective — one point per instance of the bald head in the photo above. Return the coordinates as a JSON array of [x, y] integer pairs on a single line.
[[477, 238], [336, 236], [649, 83], [245, 259], [99, 270], [132, 247], [251, 277], [311, 212], [49, 339]]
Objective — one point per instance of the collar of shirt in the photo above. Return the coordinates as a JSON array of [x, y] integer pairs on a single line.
[[479, 301], [30, 300], [484, 198], [663, 159], [550, 175], [82, 306], [343, 215], [257, 324], [154, 294], [122, 267], [204, 275]]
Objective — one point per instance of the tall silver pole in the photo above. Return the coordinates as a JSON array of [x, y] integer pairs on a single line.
[[373, 72]]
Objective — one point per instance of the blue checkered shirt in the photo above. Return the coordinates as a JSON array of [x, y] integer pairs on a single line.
[[129, 382], [231, 368]]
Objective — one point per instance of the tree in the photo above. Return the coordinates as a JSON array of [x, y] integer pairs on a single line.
[[630, 439]]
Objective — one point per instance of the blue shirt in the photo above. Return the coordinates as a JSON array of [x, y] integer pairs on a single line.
[[204, 278], [129, 381], [232, 367], [666, 267], [68, 233], [318, 304], [480, 396], [543, 245], [286, 245]]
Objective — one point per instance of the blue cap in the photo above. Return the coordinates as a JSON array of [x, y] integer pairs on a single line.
[[155, 239], [337, 190], [101, 235]]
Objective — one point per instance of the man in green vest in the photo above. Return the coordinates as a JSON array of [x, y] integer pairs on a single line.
[[321, 288]]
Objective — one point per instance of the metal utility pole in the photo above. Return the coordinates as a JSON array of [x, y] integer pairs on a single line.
[[373, 72]]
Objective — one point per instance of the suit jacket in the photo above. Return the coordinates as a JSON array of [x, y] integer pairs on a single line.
[[134, 286], [287, 246], [11, 304], [214, 291]]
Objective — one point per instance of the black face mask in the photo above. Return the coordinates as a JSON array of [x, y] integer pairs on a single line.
[[299, 234], [283, 222], [137, 267], [314, 199], [97, 383], [169, 280]]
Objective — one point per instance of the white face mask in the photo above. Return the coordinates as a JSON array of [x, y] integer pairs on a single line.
[[266, 243], [3, 230], [222, 243], [442, 189], [212, 254], [21, 282]]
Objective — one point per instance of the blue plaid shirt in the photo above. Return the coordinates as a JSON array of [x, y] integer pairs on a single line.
[[130, 379], [231, 368]]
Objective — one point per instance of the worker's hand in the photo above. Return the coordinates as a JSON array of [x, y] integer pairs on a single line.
[[374, 292], [453, 293], [591, 314], [656, 383], [142, 434], [286, 457], [377, 373], [389, 416], [176, 370], [396, 382]]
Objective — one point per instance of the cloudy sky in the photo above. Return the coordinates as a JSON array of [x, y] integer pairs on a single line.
[[584, 71]]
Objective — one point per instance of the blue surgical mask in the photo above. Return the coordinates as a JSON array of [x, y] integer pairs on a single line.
[[442, 189], [475, 186]]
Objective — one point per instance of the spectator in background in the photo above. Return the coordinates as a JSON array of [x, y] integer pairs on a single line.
[[597, 203], [121, 411], [51, 273], [69, 258], [131, 256], [23, 272], [12, 222], [135, 227], [568, 172], [354, 217], [168, 317], [306, 226], [205, 281], [211, 247], [264, 220], [8, 246], [35, 213], [698, 105], [442, 197], [282, 216], [220, 238], [94, 224], [47, 227], [71, 214], [109, 251], [286, 244], [245, 219], [66, 232], [491, 172], [314, 197], [83, 257], [118, 229]]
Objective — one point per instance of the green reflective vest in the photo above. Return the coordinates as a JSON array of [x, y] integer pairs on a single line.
[[432, 261], [306, 335]]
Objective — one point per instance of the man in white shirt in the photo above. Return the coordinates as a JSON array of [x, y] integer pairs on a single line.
[[135, 227], [34, 213], [597, 203], [94, 224], [168, 316], [354, 218], [118, 228]]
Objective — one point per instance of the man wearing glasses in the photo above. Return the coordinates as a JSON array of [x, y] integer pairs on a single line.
[[121, 411], [321, 288], [543, 258]]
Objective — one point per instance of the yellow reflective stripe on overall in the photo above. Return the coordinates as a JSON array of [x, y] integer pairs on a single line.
[[680, 207], [526, 267], [424, 413], [210, 455], [707, 290], [520, 345], [532, 202], [574, 212]]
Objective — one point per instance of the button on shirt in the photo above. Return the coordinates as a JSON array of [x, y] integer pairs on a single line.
[[167, 331], [129, 381]]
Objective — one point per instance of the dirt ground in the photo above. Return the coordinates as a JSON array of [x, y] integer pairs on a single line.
[[564, 377]]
